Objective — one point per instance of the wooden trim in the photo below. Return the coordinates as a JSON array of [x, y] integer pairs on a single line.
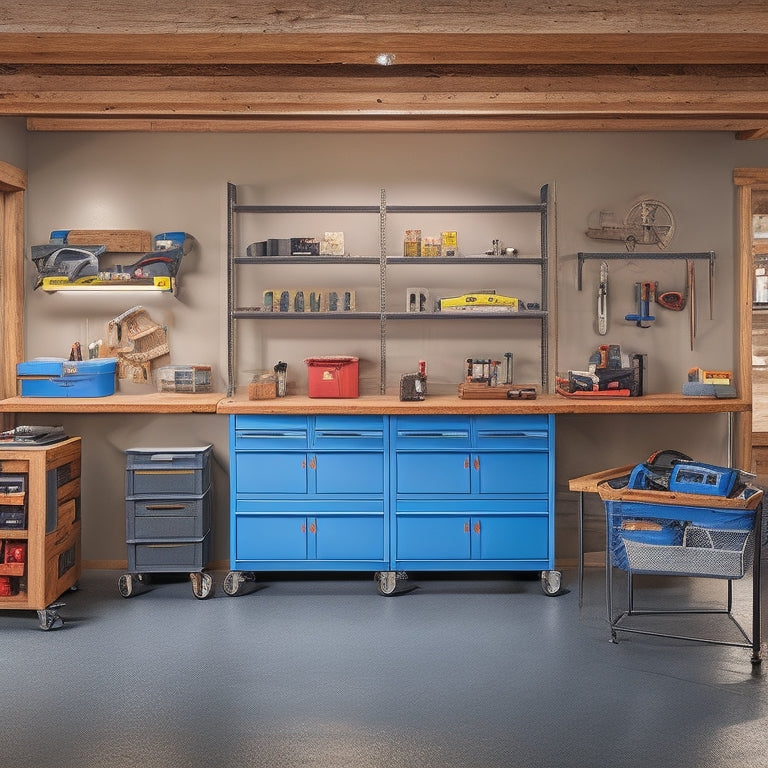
[[13, 182]]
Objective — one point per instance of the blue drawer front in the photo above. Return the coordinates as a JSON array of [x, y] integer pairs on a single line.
[[347, 432], [358, 473], [271, 472], [423, 432]]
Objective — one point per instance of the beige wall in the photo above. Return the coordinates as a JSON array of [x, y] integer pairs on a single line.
[[160, 182]]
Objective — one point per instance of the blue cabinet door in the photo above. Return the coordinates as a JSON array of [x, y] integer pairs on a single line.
[[519, 537], [348, 473], [510, 473], [431, 473], [270, 537], [349, 538], [433, 537], [270, 472]]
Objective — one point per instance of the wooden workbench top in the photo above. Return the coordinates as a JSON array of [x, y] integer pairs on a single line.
[[155, 402], [216, 402], [447, 404]]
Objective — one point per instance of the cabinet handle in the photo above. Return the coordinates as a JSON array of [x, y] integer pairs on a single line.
[[165, 506], [303, 464], [466, 463], [313, 462], [476, 528], [313, 527], [303, 528], [466, 527], [476, 463]]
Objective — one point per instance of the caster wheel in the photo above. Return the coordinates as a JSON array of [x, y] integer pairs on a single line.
[[125, 585], [49, 618], [386, 582], [232, 583], [202, 585], [551, 582]]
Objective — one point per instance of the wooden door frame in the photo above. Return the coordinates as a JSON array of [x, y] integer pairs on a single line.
[[746, 180], [13, 184]]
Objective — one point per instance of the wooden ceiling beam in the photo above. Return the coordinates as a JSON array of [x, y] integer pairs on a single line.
[[403, 48], [395, 123]]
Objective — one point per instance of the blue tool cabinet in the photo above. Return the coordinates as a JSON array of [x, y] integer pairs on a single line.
[[391, 493]]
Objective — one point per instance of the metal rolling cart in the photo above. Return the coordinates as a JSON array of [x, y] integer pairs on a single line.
[[707, 523], [168, 516]]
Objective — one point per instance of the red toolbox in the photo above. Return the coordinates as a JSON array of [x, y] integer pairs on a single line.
[[332, 376]]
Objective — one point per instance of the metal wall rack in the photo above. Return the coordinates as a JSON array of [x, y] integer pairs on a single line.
[[630, 256], [236, 313]]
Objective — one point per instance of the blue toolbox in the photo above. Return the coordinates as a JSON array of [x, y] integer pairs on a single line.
[[57, 377]]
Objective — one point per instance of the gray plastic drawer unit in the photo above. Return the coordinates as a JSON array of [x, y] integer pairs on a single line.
[[168, 471], [168, 515]]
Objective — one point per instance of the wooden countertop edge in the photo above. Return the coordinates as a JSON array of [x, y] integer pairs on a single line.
[[217, 402], [450, 404]]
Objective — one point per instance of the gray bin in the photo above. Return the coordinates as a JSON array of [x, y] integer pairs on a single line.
[[169, 556], [168, 471], [185, 517]]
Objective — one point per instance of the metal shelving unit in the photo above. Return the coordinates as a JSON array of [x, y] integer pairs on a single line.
[[386, 263]]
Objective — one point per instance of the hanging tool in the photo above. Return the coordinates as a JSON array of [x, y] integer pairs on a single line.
[[673, 300], [645, 293], [691, 291], [711, 285], [602, 300]]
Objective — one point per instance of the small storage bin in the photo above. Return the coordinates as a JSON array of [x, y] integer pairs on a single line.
[[184, 378], [168, 472], [57, 377], [332, 376]]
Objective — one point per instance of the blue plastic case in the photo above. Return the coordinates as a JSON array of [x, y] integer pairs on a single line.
[[58, 377]]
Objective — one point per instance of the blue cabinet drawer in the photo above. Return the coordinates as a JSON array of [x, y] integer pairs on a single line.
[[349, 432], [270, 432], [425, 432], [512, 433]]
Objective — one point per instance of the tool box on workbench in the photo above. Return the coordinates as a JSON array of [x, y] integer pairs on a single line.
[[57, 377]]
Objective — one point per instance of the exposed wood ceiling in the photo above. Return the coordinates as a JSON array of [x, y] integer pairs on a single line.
[[247, 65]]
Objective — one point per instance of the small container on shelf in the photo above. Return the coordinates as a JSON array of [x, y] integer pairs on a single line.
[[184, 378]]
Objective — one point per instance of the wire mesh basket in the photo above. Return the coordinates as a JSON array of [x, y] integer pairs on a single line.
[[710, 552]]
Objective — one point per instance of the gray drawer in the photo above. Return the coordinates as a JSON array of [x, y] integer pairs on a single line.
[[169, 557], [167, 518]]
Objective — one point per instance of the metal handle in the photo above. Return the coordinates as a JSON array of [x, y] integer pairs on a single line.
[[476, 463]]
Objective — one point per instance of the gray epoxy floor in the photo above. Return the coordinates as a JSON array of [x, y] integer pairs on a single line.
[[479, 671]]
